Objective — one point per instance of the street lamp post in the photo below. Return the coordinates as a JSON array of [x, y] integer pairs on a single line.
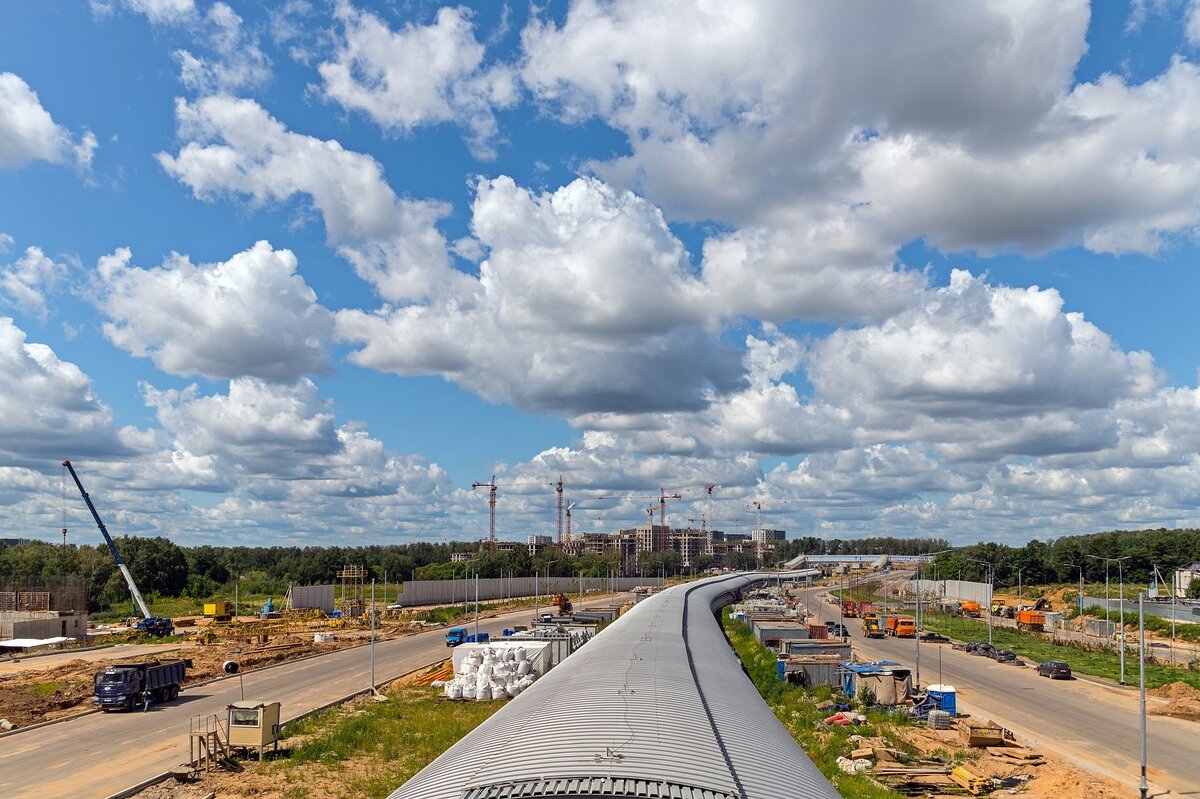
[[991, 589], [920, 564], [1121, 600]]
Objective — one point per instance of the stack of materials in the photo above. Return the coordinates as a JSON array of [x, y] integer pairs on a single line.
[[491, 673]]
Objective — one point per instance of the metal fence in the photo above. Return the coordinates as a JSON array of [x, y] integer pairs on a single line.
[[952, 589], [1164, 610], [312, 596], [444, 592]]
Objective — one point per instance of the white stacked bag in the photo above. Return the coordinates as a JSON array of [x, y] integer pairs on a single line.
[[491, 674]]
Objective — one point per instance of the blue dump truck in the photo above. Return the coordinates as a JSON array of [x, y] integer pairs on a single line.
[[121, 685], [458, 635]]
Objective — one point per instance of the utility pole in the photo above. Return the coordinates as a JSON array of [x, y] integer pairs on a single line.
[[1142, 787], [476, 607], [373, 636]]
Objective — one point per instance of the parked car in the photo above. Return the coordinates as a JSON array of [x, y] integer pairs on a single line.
[[1055, 670], [839, 629], [933, 637], [1001, 655]]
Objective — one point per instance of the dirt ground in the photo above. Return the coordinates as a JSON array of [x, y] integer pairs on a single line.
[[30, 697], [1055, 778], [1183, 701]]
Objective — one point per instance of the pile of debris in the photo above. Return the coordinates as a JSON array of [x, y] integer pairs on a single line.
[[974, 758]]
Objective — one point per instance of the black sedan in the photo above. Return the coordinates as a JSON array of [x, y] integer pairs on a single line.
[[1055, 670]]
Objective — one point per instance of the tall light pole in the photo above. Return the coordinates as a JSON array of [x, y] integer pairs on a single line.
[[921, 563], [1142, 787], [1121, 606], [991, 588], [1079, 593]]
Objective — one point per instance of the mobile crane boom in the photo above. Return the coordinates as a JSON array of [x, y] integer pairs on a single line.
[[137, 595]]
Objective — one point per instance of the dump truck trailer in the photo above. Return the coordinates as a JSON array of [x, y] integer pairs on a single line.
[[1031, 620], [121, 685]]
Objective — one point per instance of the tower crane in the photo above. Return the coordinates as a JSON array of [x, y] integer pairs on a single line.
[[558, 489], [153, 625], [568, 510], [491, 486]]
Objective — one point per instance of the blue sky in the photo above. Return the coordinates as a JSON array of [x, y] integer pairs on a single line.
[[893, 271]]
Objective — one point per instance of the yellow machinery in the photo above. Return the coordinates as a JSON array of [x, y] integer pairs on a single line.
[[218, 611], [254, 725], [972, 782]]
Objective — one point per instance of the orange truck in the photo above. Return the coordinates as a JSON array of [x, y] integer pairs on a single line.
[[969, 608], [1031, 620], [901, 627]]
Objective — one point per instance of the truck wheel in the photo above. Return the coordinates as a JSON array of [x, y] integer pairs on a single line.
[[172, 693]]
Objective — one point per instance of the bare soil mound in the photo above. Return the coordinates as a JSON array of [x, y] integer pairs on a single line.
[[1183, 701]]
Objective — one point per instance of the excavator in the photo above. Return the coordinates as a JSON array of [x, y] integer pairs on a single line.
[[564, 604]]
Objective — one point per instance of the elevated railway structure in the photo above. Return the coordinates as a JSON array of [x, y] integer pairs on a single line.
[[657, 705]]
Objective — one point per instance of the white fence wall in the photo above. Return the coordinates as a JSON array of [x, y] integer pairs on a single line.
[[953, 589], [443, 592]]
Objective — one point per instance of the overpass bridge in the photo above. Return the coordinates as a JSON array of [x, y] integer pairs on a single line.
[[657, 705], [856, 560]]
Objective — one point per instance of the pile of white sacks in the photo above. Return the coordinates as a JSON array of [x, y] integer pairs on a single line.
[[491, 674]]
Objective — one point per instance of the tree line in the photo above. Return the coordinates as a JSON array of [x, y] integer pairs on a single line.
[[1060, 560], [164, 568]]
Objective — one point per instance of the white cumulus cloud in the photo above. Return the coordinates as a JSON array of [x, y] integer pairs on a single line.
[[419, 75], [252, 315], [28, 132], [24, 282]]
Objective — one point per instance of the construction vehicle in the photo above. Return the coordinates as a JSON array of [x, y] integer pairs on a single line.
[[218, 611], [121, 686], [901, 627], [870, 625], [849, 608], [969, 608], [1031, 620], [151, 625], [564, 604]]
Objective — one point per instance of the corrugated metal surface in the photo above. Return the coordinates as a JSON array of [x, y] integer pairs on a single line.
[[657, 704]]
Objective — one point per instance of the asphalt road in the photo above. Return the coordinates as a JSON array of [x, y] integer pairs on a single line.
[[1092, 725], [100, 754]]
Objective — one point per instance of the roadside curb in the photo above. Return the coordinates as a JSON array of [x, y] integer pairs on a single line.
[[133, 790], [187, 686]]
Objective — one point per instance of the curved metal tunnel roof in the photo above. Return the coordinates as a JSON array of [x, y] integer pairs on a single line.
[[657, 705]]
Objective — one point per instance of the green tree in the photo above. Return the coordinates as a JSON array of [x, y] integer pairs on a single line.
[[1193, 589]]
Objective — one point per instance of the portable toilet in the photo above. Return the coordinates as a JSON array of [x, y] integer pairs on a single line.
[[254, 725], [945, 697]]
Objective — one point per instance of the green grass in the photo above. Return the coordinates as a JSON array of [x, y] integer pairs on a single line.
[[796, 708], [173, 607], [1084, 659], [375, 747], [44, 688]]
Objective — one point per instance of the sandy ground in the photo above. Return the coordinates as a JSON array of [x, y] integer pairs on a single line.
[[22, 665], [64, 688], [1182, 701], [1054, 779]]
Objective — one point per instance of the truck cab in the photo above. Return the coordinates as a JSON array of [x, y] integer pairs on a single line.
[[904, 627], [117, 688], [455, 636]]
